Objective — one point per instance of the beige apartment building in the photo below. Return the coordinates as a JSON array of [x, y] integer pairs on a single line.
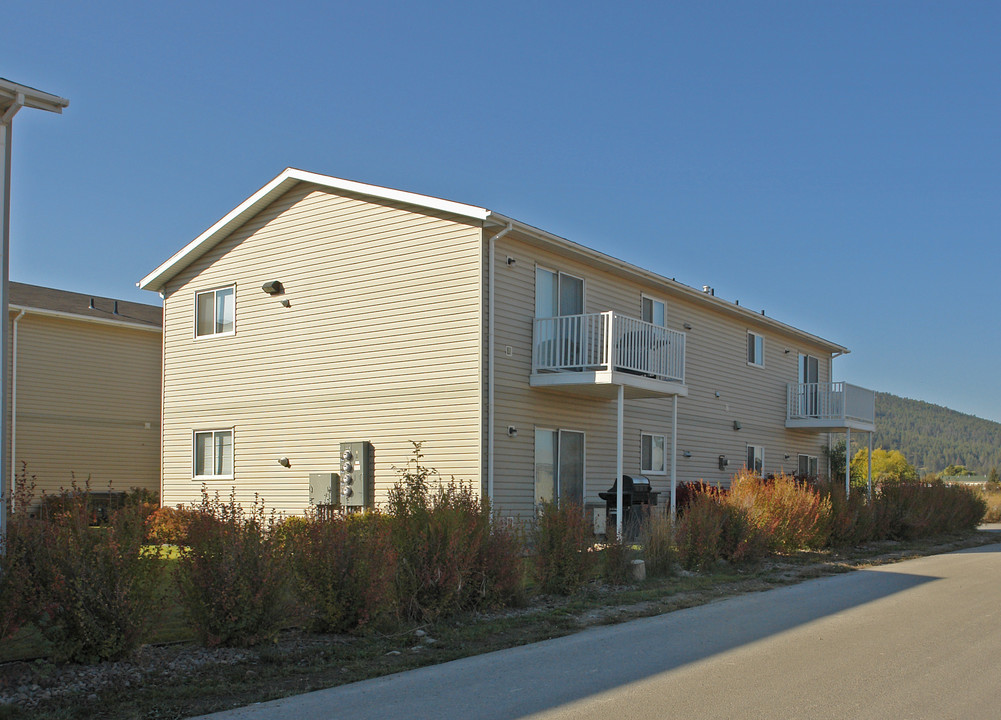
[[322, 312], [84, 397]]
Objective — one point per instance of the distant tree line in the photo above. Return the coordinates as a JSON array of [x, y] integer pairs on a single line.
[[932, 437]]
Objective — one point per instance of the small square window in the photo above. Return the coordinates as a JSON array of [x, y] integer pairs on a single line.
[[214, 312], [755, 349], [653, 458], [213, 454]]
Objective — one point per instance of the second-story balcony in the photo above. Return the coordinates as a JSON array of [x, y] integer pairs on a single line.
[[594, 353], [830, 406]]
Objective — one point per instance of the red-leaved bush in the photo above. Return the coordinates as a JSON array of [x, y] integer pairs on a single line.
[[712, 529], [791, 515], [234, 577], [562, 541], [170, 525]]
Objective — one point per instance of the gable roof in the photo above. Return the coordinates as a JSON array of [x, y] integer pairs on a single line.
[[63, 303], [290, 177]]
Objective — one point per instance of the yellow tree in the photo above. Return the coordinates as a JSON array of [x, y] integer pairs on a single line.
[[887, 466]]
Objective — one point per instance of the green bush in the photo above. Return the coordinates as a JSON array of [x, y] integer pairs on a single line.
[[234, 579], [451, 554], [344, 569], [96, 586], [657, 540], [790, 515], [562, 541]]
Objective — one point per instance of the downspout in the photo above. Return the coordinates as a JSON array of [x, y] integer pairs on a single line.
[[491, 285], [13, 410]]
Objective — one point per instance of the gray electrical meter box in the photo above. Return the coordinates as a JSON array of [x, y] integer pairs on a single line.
[[324, 488], [357, 481]]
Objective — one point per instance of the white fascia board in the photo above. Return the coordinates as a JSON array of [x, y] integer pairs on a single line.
[[32, 98], [648, 276], [85, 318], [289, 177]]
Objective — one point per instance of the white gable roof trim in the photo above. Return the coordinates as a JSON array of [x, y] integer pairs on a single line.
[[273, 190]]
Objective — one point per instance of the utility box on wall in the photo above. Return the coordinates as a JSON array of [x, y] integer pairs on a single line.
[[357, 480], [324, 488]]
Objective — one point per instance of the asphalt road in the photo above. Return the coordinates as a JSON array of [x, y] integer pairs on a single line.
[[918, 639]]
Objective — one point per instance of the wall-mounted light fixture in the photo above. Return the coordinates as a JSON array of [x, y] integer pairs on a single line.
[[273, 287], [788, 456], [737, 425], [717, 393], [511, 260], [284, 462], [687, 326], [687, 453], [723, 462], [512, 431], [787, 351]]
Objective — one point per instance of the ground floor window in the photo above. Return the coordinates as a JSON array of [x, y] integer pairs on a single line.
[[653, 458], [213, 454], [807, 466], [559, 465], [755, 459]]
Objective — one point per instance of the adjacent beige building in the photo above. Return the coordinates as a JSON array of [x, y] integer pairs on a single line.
[[322, 311], [85, 390]]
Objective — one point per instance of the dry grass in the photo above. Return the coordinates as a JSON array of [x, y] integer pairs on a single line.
[[992, 496]]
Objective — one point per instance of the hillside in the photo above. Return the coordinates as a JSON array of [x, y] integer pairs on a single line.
[[932, 437]]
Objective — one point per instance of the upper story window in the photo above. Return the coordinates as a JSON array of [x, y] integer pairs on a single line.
[[654, 311], [215, 312], [557, 294], [213, 454], [755, 349], [653, 458]]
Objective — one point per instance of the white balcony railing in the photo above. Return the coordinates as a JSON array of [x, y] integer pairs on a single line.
[[608, 341], [838, 401]]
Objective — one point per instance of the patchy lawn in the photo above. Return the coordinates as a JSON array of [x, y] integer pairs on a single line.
[[174, 678]]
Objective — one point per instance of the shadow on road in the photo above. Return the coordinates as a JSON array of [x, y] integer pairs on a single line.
[[521, 681]]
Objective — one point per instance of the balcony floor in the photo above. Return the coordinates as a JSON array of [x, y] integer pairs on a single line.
[[831, 424], [604, 384]]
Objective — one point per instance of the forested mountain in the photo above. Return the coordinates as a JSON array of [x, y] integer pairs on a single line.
[[932, 437]]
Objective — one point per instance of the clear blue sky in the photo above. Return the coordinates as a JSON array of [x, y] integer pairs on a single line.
[[837, 164]]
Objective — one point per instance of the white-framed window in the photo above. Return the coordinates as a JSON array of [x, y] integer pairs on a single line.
[[755, 349], [755, 459], [653, 454], [807, 466], [215, 312], [557, 294], [212, 454], [654, 311], [559, 465]]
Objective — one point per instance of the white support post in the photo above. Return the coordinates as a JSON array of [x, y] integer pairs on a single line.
[[870, 466], [618, 463], [848, 461], [5, 148], [674, 459]]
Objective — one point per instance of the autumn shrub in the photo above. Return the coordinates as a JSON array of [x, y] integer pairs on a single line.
[[451, 553], [97, 587], [616, 560], [712, 529], [657, 541], [852, 521], [992, 501], [18, 590], [344, 569], [233, 578], [561, 540], [909, 510], [790, 515], [170, 525], [687, 491]]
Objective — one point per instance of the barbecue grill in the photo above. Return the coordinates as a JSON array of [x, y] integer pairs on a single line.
[[637, 497]]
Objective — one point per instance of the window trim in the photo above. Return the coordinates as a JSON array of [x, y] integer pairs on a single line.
[[214, 290], [750, 334], [760, 473], [194, 452], [646, 471], [653, 298]]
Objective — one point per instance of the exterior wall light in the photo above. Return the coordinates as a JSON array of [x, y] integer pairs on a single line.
[[284, 462], [512, 431], [737, 425], [273, 287]]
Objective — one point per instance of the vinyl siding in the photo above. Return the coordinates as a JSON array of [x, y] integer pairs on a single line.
[[380, 342], [88, 405], [716, 360]]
